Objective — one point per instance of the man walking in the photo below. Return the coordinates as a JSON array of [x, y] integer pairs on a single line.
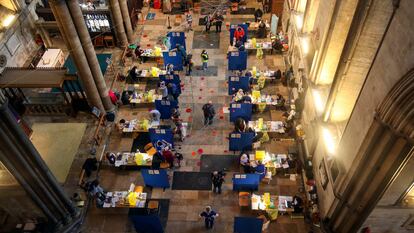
[[219, 22], [209, 113], [189, 19], [204, 59], [209, 215], [218, 179]]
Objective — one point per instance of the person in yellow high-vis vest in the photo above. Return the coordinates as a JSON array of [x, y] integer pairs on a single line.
[[204, 59]]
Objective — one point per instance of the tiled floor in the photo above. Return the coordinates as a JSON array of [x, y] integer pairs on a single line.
[[197, 90]]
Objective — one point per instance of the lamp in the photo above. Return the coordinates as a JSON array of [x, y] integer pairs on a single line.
[[329, 141], [318, 101], [7, 21]]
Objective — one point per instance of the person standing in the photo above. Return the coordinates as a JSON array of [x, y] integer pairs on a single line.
[[207, 21], [204, 59], [155, 116], [189, 65], [219, 22], [209, 215], [209, 113], [217, 179], [189, 19]]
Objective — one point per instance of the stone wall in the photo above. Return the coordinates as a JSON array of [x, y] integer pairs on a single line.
[[18, 43]]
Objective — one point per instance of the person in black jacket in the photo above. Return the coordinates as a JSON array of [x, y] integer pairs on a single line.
[[258, 15], [209, 113], [217, 179]]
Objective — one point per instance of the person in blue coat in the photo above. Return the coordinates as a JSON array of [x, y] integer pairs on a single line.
[[260, 169], [209, 215]]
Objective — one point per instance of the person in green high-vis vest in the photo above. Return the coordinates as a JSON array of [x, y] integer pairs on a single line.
[[204, 59]]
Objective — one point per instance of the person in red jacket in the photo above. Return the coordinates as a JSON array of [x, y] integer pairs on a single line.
[[239, 33], [168, 156], [113, 97]]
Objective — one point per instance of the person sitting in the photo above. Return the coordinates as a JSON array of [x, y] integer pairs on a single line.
[[258, 15], [138, 53], [162, 90], [239, 125], [169, 68], [175, 114], [155, 116], [239, 34], [260, 169], [173, 90], [110, 157], [280, 102], [238, 97], [297, 204], [133, 74], [157, 159], [245, 163], [261, 32], [168, 156]]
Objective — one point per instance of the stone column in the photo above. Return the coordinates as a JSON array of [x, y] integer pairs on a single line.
[[127, 20], [61, 10], [89, 51], [118, 23], [23, 161]]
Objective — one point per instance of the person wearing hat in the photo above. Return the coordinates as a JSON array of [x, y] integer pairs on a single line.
[[209, 215], [217, 179], [204, 59], [163, 90]]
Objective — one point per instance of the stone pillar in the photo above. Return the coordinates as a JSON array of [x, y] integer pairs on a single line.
[[127, 20], [61, 12], [89, 51], [23, 161], [118, 23]]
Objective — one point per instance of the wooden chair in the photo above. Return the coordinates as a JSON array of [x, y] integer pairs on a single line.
[[99, 42], [244, 199], [149, 149], [109, 41]]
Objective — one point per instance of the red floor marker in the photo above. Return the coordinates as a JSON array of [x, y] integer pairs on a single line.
[[221, 117], [193, 153], [201, 89], [202, 78], [144, 35], [182, 85], [200, 151], [148, 45], [188, 110], [199, 98], [225, 151]]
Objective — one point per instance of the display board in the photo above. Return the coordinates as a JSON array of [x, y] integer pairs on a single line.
[[236, 83], [247, 225], [165, 107], [241, 141], [174, 58], [242, 110], [161, 138], [233, 29], [176, 38], [237, 60]]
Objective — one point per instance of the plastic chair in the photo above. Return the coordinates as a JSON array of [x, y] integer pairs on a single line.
[[149, 149], [244, 199]]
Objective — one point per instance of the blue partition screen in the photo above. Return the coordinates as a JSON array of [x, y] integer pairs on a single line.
[[242, 110], [174, 58], [240, 141], [236, 83], [165, 107], [237, 60], [177, 38]]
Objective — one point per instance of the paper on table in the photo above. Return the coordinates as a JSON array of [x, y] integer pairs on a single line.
[[292, 177], [106, 205]]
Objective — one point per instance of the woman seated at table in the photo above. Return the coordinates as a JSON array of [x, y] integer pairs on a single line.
[[297, 204], [260, 169], [280, 102], [245, 163]]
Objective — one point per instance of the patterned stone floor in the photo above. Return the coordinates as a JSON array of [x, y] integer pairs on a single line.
[[197, 90]]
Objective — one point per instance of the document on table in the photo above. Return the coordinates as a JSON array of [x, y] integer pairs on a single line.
[[106, 205]]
